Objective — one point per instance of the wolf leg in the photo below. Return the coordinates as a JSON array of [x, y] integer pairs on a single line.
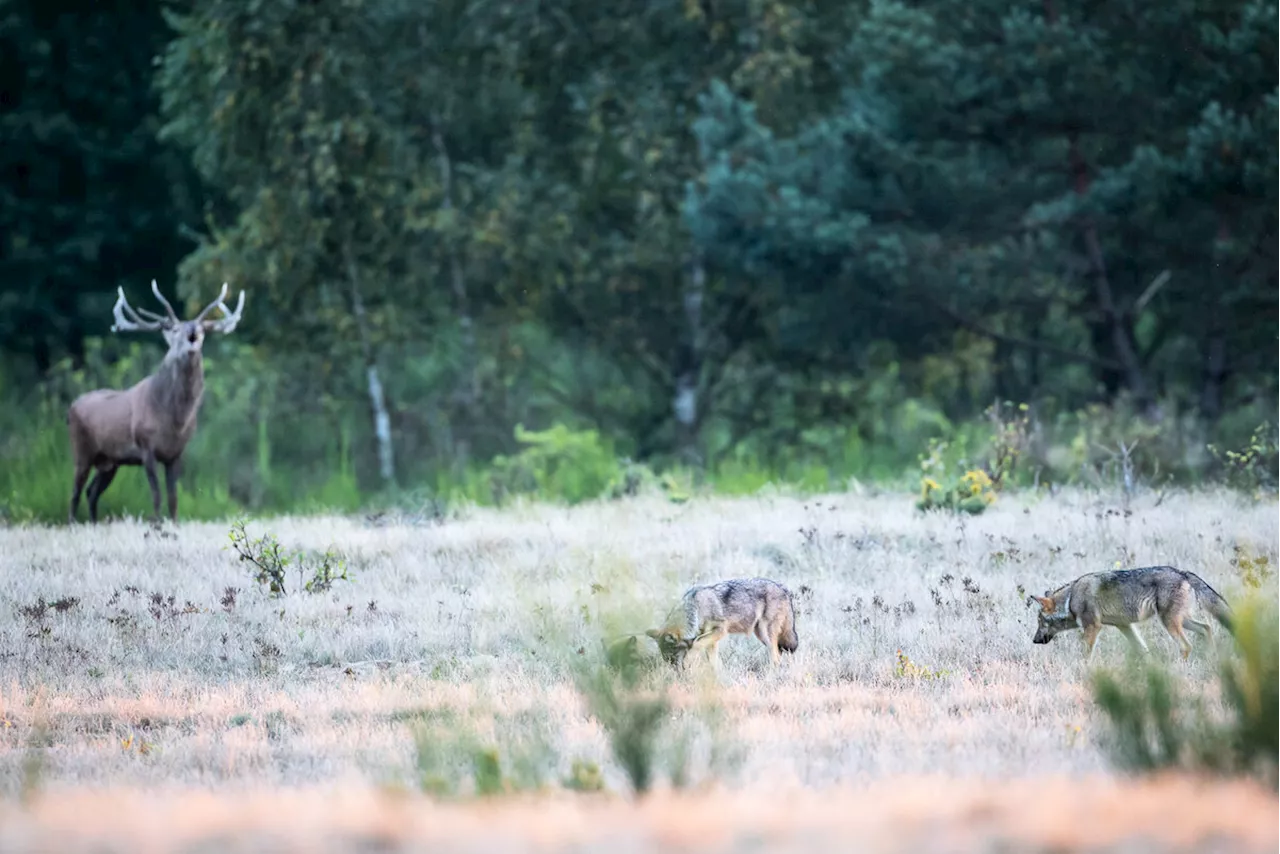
[[768, 636], [1090, 638], [709, 642], [1134, 638], [1173, 624], [1204, 629]]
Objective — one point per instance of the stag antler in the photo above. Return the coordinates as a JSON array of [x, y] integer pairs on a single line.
[[129, 319], [228, 322], [155, 289]]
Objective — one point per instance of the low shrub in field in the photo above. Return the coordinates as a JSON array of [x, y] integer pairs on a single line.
[[1158, 722], [269, 563], [951, 482], [454, 759], [971, 493]]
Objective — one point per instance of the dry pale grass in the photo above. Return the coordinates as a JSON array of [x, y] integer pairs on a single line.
[[907, 815], [211, 716]]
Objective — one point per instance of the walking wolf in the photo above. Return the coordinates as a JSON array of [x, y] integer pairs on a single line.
[[1124, 597], [707, 613]]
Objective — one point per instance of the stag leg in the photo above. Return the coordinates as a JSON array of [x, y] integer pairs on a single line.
[[171, 472], [149, 464], [82, 474], [97, 486]]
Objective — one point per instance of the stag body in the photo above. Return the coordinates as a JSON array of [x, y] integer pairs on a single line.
[[153, 421]]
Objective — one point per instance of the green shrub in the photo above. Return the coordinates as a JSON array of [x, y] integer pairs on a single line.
[[269, 563], [449, 754], [1253, 468], [650, 736], [1157, 722], [632, 719], [972, 492], [556, 464]]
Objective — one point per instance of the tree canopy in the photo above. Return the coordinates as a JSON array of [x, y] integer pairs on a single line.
[[693, 226]]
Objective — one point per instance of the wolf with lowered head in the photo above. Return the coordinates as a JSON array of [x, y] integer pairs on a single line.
[[1124, 597], [708, 613]]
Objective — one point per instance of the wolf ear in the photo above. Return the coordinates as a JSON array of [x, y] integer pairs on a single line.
[[654, 633], [1046, 604]]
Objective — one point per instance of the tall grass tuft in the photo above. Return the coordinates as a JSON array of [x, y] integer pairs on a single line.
[[1159, 722]]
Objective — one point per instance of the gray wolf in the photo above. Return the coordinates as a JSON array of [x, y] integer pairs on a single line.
[[1124, 597], [708, 613]]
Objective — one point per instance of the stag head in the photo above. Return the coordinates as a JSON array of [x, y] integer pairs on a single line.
[[184, 337]]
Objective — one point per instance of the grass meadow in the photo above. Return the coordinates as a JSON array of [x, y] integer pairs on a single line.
[[155, 698]]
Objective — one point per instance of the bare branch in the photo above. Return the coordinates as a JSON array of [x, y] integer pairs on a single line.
[[1152, 289], [1019, 341]]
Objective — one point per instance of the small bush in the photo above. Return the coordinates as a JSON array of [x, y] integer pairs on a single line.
[[651, 737], [972, 493], [950, 481], [558, 463], [1010, 437], [633, 479], [449, 754], [584, 777], [632, 718], [1253, 468], [1158, 723], [269, 562]]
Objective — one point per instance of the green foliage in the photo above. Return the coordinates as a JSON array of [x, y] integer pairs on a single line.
[[837, 235], [970, 493], [1158, 722], [584, 777], [834, 237], [951, 481], [905, 668], [92, 199], [454, 759], [269, 563], [633, 720], [556, 464], [629, 691], [1148, 737], [1253, 468]]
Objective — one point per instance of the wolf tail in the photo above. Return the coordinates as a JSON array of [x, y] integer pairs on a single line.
[[1212, 601]]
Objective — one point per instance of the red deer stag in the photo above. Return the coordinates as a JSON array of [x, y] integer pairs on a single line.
[[152, 421]]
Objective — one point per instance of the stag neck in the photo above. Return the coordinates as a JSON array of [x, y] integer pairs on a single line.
[[177, 387]]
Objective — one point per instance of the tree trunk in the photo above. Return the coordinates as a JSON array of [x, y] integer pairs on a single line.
[[1119, 333], [1001, 369], [377, 400], [1215, 341], [1215, 376], [685, 403], [1118, 322], [1033, 364], [469, 389]]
